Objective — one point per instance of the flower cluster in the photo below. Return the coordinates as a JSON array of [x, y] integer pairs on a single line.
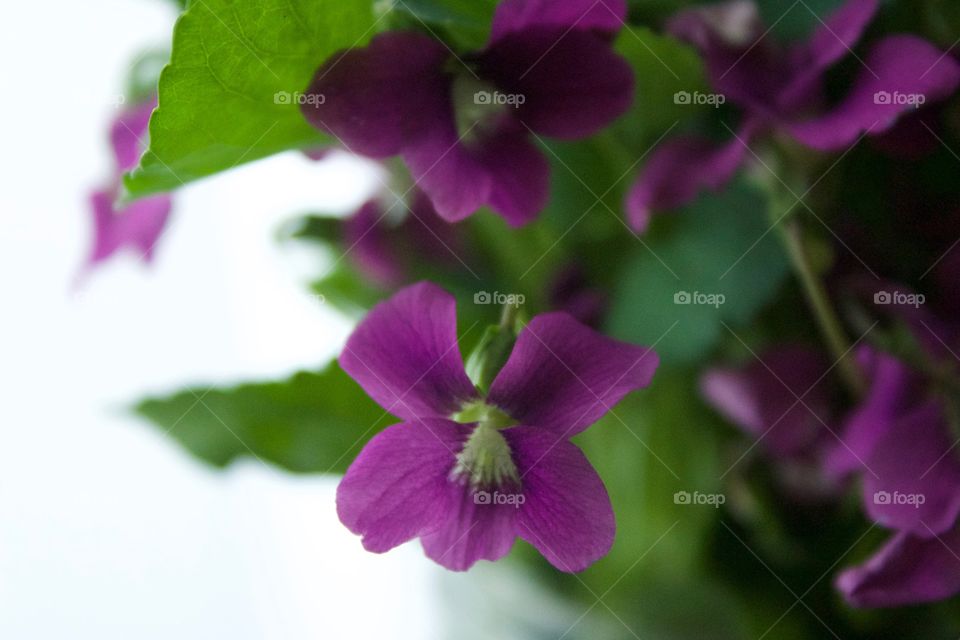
[[481, 455], [782, 91]]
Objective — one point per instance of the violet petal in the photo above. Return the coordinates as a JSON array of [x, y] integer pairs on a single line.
[[907, 570], [897, 68], [913, 476], [563, 376], [398, 488], [405, 354], [566, 513], [679, 170], [572, 83], [378, 98]]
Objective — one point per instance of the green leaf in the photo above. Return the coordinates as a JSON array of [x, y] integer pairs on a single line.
[[465, 23], [720, 246], [663, 66], [312, 422], [144, 74], [227, 96], [790, 23]]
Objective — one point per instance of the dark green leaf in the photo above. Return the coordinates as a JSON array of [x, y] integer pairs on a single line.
[[312, 422], [720, 246], [663, 66]]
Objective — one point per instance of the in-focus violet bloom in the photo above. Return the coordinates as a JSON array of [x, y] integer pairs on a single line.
[[139, 224], [467, 473], [463, 124], [782, 89]]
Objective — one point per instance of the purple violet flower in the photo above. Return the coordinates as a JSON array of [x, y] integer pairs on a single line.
[[382, 242], [462, 124], [138, 224], [762, 399], [468, 473], [782, 89], [901, 439]]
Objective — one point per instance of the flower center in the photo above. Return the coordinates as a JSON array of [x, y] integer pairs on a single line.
[[485, 461], [477, 104]]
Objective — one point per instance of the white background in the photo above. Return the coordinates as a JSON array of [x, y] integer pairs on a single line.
[[107, 529]]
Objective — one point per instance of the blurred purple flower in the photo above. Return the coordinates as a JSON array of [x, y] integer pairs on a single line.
[[570, 291], [467, 473], [901, 442], [382, 247], [462, 124], [908, 569], [776, 399], [136, 225], [782, 89]]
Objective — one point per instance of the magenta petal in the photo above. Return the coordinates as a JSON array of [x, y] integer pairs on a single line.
[[471, 531], [519, 175], [762, 398], [917, 482], [405, 354], [136, 226], [456, 181], [907, 570], [566, 512], [679, 170], [604, 17], [127, 134], [369, 245], [563, 376], [904, 66], [572, 83], [832, 40], [890, 395], [378, 98], [500, 168], [398, 487]]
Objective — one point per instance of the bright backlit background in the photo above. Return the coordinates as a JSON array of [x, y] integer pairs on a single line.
[[107, 529]]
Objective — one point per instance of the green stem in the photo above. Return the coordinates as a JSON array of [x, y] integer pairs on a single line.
[[508, 316], [823, 311]]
